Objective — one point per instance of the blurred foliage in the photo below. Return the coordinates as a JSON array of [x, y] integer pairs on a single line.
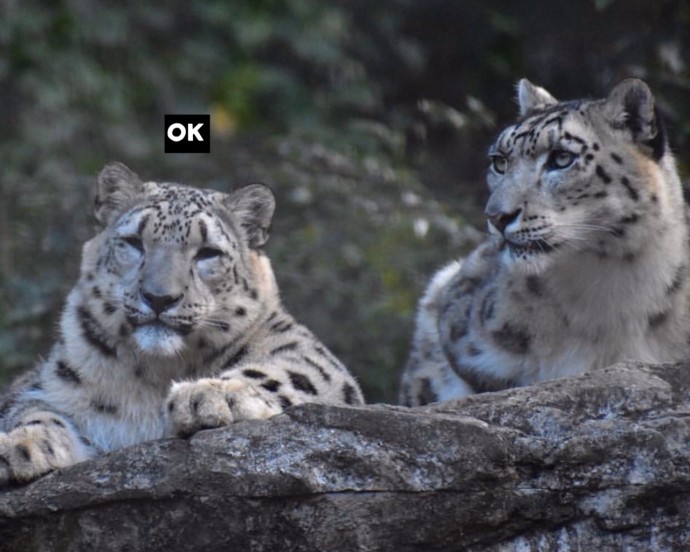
[[369, 120]]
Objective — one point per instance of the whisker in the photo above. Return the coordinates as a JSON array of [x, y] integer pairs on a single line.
[[219, 324], [570, 243], [584, 226]]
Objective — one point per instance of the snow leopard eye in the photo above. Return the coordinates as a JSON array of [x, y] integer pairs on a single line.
[[499, 163], [560, 159], [207, 253], [134, 242]]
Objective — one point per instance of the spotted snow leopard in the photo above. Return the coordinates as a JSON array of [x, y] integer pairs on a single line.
[[175, 325], [587, 259]]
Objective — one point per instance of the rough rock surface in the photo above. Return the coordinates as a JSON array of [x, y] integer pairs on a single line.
[[597, 462]]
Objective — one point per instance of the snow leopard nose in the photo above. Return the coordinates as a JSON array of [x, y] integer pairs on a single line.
[[160, 303], [501, 220]]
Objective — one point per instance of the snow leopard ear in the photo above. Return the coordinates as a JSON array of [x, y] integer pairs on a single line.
[[253, 205], [630, 105], [532, 97], [118, 188]]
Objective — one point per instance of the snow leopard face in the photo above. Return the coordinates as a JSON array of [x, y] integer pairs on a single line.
[[577, 176], [173, 263]]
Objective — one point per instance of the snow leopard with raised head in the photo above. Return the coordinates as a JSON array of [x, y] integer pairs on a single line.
[[587, 259], [175, 325]]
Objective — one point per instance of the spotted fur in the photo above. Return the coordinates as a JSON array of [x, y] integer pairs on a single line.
[[587, 262], [175, 325]]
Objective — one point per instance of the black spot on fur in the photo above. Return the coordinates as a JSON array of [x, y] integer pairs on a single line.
[[656, 320], [281, 326], [67, 373], [603, 175], [236, 358], [103, 407], [632, 192], [302, 383], [617, 158], [349, 394], [94, 334], [631, 219], [600, 195], [512, 338], [240, 311], [284, 402], [287, 347], [253, 374], [325, 375], [109, 308], [271, 385]]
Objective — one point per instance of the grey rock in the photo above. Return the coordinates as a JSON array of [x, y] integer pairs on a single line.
[[596, 462]]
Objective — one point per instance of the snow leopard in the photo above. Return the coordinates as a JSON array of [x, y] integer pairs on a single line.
[[586, 262], [175, 325]]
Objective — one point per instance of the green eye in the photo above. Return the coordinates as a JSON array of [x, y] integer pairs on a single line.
[[499, 163], [560, 159]]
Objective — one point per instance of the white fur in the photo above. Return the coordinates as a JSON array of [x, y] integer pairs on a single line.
[[158, 340]]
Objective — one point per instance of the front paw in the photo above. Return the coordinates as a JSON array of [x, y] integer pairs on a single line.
[[209, 403], [29, 452]]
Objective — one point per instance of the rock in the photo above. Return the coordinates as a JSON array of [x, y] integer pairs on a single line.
[[595, 462]]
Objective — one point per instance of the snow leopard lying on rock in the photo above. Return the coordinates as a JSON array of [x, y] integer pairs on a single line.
[[175, 325]]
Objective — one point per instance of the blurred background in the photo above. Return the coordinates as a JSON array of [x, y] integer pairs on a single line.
[[370, 121]]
